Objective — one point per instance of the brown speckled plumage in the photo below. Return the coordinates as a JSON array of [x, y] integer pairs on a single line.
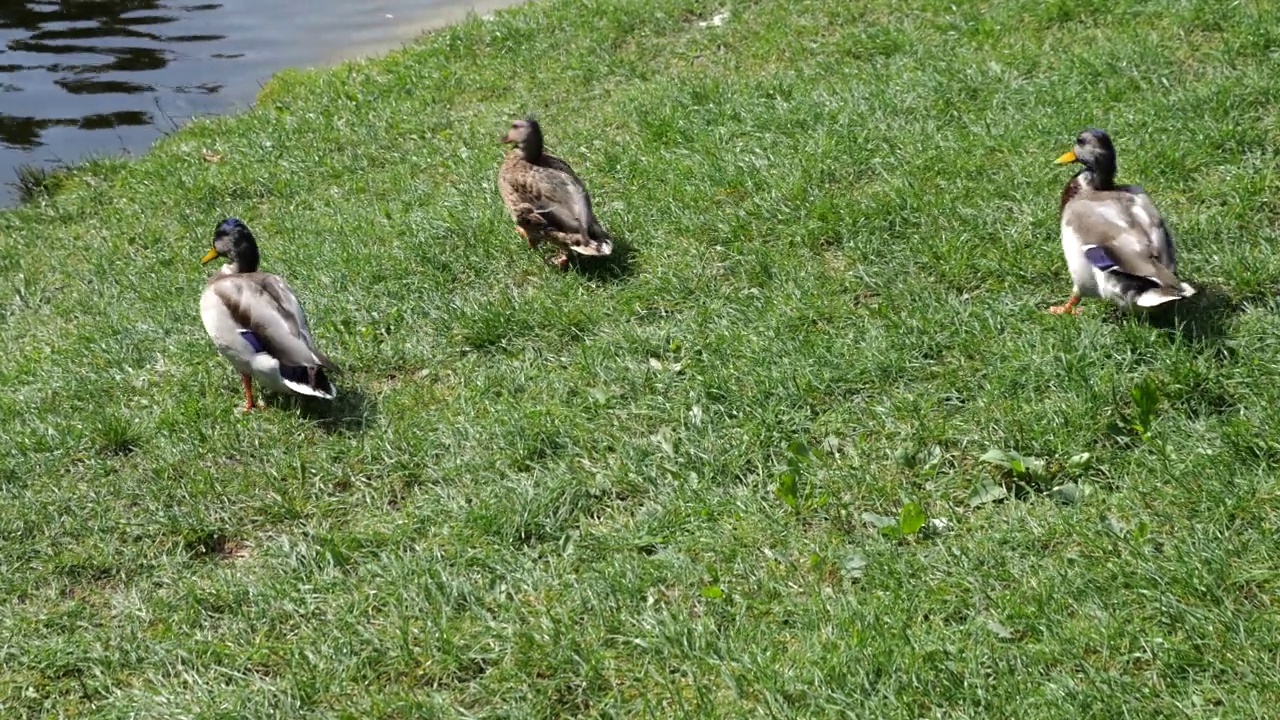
[[546, 199]]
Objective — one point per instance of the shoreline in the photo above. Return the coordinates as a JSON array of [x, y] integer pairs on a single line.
[[27, 176], [411, 29]]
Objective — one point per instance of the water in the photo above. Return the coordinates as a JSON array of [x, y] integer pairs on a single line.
[[82, 78]]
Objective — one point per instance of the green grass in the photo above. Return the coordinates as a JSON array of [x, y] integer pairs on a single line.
[[547, 494]]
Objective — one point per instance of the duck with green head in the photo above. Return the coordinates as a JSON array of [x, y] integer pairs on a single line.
[[1116, 244], [257, 323]]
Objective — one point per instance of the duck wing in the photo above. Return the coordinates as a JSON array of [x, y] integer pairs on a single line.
[[1150, 218], [1121, 232], [555, 192], [265, 305]]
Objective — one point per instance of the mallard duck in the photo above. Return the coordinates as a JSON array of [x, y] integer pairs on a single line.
[[546, 199], [256, 322], [1116, 244]]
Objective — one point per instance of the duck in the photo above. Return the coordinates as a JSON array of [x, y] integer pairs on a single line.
[[257, 323], [1116, 244], [546, 199]]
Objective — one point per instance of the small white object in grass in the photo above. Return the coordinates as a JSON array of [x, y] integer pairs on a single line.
[[937, 526], [1000, 630], [657, 364], [716, 20]]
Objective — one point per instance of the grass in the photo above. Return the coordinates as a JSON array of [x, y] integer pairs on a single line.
[[34, 182], [659, 493]]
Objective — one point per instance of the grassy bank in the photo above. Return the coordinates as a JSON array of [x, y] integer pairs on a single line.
[[657, 493]]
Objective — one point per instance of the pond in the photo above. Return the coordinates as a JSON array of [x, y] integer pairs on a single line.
[[85, 78]]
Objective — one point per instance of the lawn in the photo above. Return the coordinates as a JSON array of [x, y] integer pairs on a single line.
[[658, 490]]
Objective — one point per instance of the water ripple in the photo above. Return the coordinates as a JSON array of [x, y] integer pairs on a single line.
[[91, 49]]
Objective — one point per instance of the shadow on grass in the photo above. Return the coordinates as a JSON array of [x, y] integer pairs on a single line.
[[352, 411], [614, 267], [1204, 319]]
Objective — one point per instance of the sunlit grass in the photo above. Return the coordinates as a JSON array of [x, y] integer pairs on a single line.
[[658, 492]]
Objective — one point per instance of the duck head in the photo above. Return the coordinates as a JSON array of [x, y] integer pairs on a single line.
[[526, 135], [232, 240], [1093, 150]]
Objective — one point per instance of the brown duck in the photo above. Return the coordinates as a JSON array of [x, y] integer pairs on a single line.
[[546, 199]]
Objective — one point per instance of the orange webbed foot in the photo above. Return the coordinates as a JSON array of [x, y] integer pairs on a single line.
[[1067, 308], [247, 382]]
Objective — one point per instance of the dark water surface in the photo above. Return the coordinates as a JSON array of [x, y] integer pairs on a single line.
[[81, 78]]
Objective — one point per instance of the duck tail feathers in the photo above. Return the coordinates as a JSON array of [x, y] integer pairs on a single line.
[[312, 382], [1158, 296]]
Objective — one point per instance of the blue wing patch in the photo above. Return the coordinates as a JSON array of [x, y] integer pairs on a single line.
[[253, 341], [1098, 257]]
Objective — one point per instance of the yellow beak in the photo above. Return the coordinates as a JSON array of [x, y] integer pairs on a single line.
[[213, 253], [1067, 157]]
